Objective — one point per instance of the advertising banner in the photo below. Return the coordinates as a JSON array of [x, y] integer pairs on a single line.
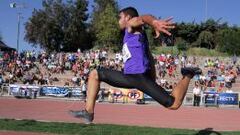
[[75, 91], [124, 95], [54, 91], [214, 98], [23, 90], [210, 98], [228, 99]]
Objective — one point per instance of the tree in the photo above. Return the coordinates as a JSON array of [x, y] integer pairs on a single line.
[[149, 32], [108, 20], [188, 32], [99, 7], [59, 26], [77, 34], [210, 25], [205, 40], [107, 31], [181, 45], [228, 41]]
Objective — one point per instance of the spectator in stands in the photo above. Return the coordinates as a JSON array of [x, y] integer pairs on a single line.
[[76, 80], [41, 80], [84, 88], [196, 94], [221, 86], [28, 78], [169, 70], [1, 80], [228, 82], [11, 77]]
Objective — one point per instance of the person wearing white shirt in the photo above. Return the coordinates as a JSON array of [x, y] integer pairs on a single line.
[[229, 91], [196, 94]]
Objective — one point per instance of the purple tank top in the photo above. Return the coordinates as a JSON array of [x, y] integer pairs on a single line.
[[135, 53]]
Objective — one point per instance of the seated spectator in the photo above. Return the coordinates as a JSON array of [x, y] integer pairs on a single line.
[[28, 78], [171, 71], [221, 86], [76, 80], [41, 80], [163, 82], [228, 82], [66, 84], [11, 78]]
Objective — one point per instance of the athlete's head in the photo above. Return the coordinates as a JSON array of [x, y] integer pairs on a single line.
[[125, 15]]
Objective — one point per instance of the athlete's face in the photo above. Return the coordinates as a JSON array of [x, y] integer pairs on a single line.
[[123, 19]]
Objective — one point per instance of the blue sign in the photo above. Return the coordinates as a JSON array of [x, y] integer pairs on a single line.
[[14, 89], [23, 90], [228, 98], [54, 91], [211, 97], [214, 98], [76, 91]]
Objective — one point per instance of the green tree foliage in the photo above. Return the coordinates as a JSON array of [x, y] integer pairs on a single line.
[[77, 33], [188, 32], [107, 29], [205, 40], [181, 44], [210, 25], [107, 9], [228, 41], [59, 26], [210, 34], [99, 7], [153, 42]]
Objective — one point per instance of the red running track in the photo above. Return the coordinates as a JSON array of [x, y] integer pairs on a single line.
[[152, 115]]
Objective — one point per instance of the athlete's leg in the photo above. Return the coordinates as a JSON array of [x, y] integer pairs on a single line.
[[180, 90], [112, 77], [87, 114], [142, 82], [145, 84], [150, 87], [92, 90]]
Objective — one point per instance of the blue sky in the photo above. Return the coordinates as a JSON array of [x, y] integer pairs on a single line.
[[181, 10]]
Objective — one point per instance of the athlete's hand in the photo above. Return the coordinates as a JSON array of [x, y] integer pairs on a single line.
[[163, 26]]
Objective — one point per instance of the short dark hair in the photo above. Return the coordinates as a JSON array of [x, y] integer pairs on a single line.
[[131, 11]]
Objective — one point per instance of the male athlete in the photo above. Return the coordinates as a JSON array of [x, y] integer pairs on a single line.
[[139, 71]]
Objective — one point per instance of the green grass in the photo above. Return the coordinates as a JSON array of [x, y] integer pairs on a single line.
[[165, 50], [190, 51], [95, 129], [205, 52]]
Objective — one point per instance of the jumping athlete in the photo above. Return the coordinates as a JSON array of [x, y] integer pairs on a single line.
[[139, 69]]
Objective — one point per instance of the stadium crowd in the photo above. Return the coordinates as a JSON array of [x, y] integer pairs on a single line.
[[30, 67]]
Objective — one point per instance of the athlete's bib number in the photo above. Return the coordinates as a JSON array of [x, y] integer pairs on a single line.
[[126, 53]]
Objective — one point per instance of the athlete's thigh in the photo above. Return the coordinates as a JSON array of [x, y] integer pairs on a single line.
[[114, 78], [151, 88]]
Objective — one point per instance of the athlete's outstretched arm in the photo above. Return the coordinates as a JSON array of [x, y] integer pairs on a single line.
[[159, 25]]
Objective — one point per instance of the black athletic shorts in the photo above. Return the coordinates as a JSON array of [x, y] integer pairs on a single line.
[[142, 82]]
